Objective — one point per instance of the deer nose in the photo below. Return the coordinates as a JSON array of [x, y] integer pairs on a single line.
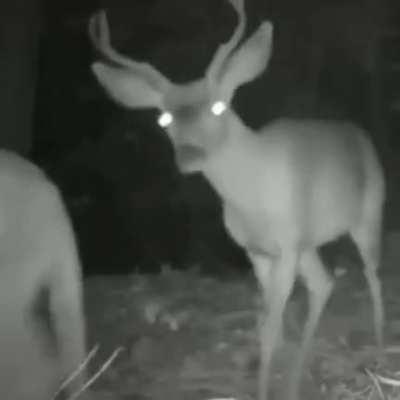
[[185, 138], [186, 154], [190, 150]]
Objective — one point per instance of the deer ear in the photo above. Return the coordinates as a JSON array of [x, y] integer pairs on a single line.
[[127, 88], [246, 63]]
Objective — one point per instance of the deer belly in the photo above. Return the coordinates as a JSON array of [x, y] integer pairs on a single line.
[[306, 222], [332, 218]]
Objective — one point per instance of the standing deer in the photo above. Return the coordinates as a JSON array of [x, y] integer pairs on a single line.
[[286, 189], [39, 271]]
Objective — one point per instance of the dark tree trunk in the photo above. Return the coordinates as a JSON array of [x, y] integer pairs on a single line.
[[19, 36]]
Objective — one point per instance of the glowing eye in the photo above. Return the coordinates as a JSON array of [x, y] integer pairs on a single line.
[[165, 119], [218, 107]]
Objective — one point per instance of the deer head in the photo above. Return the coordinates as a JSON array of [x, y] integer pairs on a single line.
[[196, 115]]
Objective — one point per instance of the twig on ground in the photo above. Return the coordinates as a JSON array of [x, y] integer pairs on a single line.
[[99, 372], [76, 372], [388, 381], [376, 383]]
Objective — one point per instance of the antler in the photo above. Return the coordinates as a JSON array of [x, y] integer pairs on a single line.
[[99, 34], [224, 50]]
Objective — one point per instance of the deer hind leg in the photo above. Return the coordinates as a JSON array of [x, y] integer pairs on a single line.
[[41, 321], [69, 324], [367, 238], [66, 305], [319, 284], [276, 277]]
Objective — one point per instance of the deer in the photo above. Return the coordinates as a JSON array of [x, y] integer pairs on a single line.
[[286, 188], [42, 329]]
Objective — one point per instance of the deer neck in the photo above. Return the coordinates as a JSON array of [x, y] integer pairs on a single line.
[[230, 170]]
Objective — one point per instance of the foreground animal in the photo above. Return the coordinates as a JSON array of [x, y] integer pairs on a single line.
[[286, 189], [42, 333]]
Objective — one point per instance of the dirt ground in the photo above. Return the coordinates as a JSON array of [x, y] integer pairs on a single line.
[[183, 335]]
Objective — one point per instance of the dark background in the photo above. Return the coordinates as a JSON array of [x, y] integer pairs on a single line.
[[130, 207]]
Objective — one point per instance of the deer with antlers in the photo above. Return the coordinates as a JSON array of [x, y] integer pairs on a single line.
[[286, 189]]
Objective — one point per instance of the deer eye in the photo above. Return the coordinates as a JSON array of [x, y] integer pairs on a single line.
[[165, 119], [218, 108]]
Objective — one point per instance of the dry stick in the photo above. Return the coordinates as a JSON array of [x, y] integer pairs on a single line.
[[76, 372], [388, 381], [376, 383], [97, 374]]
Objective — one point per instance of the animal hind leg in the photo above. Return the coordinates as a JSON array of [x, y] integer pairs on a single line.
[[66, 305], [367, 237]]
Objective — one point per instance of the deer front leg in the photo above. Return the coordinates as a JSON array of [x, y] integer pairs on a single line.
[[319, 285], [276, 277]]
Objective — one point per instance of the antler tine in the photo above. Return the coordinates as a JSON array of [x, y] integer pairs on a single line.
[[99, 34], [224, 50]]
